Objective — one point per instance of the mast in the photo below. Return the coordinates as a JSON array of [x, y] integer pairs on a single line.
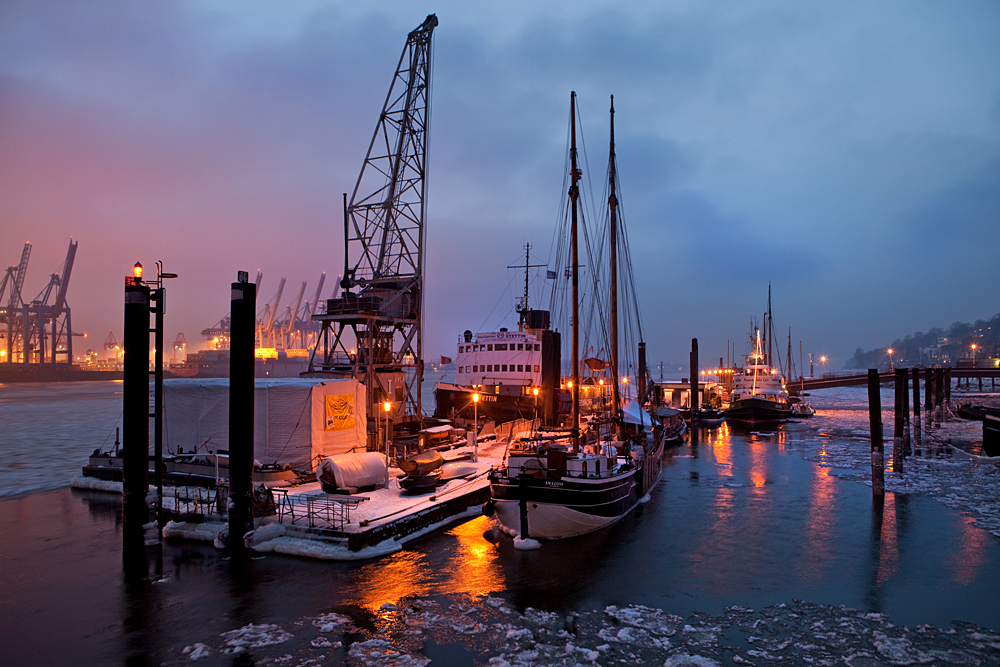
[[574, 195], [770, 329], [788, 377], [613, 210]]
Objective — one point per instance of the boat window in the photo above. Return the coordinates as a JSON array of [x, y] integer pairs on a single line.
[[501, 346], [537, 368], [520, 346], [537, 347], [489, 368], [475, 369], [489, 347], [520, 368], [503, 368]]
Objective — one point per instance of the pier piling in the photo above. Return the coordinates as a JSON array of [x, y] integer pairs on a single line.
[[695, 403], [907, 444], [929, 398], [135, 416], [241, 363], [938, 395], [875, 424], [916, 406], [947, 394], [899, 420]]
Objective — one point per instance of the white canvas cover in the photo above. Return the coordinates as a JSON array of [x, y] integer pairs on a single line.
[[352, 470], [196, 417], [339, 418], [636, 415]]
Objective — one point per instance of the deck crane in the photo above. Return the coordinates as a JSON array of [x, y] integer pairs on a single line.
[[381, 308]]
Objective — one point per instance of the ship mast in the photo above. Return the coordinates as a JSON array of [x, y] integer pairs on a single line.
[[613, 211], [574, 195]]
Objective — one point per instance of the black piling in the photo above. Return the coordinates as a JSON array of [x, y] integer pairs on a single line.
[[875, 423], [695, 403], [947, 394], [241, 346], [916, 405], [135, 416], [938, 395], [907, 445], [523, 508], [899, 420], [929, 399]]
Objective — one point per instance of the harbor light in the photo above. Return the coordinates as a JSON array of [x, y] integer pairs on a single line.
[[387, 406], [892, 366], [137, 271], [973, 355]]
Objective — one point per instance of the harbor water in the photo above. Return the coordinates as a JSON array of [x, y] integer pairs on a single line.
[[742, 520]]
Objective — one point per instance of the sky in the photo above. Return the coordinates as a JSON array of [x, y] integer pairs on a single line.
[[847, 153]]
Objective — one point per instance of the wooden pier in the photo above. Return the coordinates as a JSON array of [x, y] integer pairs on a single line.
[[798, 386]]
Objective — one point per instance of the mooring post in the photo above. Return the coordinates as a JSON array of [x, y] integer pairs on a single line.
[[695, 403], [916, 405], [523, 506], [947, 394], [899, 420], [907, 447], [875, 423], [241, 346], [929, 399], [938, 395], [135, 415]]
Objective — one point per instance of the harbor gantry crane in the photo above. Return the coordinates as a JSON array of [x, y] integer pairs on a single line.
[[37, 331], [372, 332]]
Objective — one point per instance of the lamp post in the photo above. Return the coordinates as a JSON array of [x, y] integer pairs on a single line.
[[475, 441], [892, 365], [387, 406], [535, 392], [823, 359], [973, 355]]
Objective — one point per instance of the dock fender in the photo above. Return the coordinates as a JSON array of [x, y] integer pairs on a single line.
[[488, 508]]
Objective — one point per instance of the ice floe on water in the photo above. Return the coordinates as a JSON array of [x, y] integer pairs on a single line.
[[492, 632]]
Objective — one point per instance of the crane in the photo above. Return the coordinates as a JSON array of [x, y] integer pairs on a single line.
[[380, 310]]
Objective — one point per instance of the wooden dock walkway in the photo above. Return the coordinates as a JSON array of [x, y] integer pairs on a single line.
[[830, 381]]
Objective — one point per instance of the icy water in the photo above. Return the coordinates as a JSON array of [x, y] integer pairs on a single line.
[[757, 547]]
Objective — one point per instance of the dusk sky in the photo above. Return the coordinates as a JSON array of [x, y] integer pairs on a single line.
[[847, 152]]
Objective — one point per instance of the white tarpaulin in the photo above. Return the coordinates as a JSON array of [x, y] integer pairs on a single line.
[[352, 470], [636, 415], [339, 420], [196, 417]]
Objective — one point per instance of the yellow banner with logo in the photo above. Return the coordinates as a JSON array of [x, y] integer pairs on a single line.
[[339, 412]]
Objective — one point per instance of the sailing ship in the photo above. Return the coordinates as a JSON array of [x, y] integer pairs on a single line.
[[551, 487]]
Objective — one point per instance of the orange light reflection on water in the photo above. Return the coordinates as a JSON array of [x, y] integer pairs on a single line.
[[971, 555], [474, 568], [888, 561], [819, 524]]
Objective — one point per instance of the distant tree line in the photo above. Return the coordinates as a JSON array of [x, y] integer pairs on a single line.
[[937, 346]]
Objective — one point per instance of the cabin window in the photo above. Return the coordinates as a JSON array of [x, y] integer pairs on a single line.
[[489, 348], [520, 368], [537, 347], [520, 346], [489, 368], [501, 346], [503, 368], [475, 369], [536, 368]]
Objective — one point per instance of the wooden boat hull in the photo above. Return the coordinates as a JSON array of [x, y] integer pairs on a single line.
[[561, 506]]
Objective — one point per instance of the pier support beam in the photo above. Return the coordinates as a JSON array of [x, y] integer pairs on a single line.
[[241, 346], [916, 405], [135, 417], [695, 403], [899, 420], [938, 395], [947, 395], [929, 399], [875, 423]]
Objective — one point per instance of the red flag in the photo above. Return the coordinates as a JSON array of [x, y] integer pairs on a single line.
[[445, 361]]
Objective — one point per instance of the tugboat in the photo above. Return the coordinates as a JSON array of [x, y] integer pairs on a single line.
[[759, 392], [558, 487]]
